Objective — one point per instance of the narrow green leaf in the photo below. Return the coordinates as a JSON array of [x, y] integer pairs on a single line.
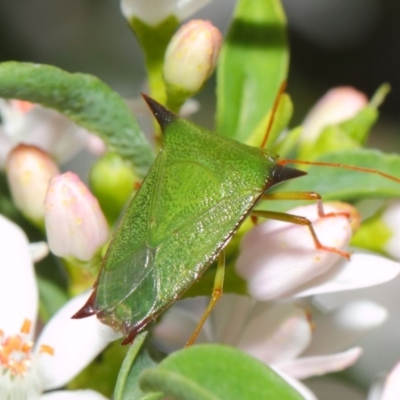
[[84, 99], [137, 359], [253, 64], [215, 372], [342, 184]]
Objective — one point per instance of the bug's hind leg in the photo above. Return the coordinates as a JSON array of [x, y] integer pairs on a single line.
[[215, 296], [296, 219]]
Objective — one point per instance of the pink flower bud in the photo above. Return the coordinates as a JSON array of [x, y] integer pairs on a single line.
[[29, 171], [75, 224], [191, 56], [336, 106]]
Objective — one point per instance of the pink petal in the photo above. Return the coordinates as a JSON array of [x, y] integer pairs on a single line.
[[18, 289], [363, 270], [305, 367], [281, 333], [180, 321], [75, 224], [76, 342], [391, 390], [345, 326], [231, 315], [336, 106], [278, 257]]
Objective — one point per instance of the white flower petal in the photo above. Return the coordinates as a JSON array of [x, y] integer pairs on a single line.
[[230, 316], [153, 12], [376, 389], [281, 333], [363, 270], [303, 368], [277, 257], [391, 390], [75, 342], [6, 145], [391, 218], [54, 133], [73, 395], [18, 290], [38, 250], [302, 389], [345, 326], [180, 321]]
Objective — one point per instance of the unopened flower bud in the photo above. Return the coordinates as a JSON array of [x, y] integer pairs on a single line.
[[113, 181], [336, 106], [154, 12], [29, 171], [75, 224], [191, 57]]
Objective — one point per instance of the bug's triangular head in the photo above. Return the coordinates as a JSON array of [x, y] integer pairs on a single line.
[[163, 116]]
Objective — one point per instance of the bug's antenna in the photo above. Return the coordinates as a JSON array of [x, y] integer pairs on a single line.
[[340, 165], [281, 90]]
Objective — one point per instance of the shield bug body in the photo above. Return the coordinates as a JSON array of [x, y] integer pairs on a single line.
[[197, 193]]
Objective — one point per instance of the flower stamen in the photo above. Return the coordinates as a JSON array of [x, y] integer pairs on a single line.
[[16, 351]]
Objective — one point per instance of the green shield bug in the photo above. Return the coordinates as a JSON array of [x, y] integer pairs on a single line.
[[192, 201]]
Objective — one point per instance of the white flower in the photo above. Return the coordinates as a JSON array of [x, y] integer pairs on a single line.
[[279, 259], [64, 346], [24, 122], [278, 333], [154, 12]]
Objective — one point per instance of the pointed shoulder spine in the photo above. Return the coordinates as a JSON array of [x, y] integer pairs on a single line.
[[163, 116]]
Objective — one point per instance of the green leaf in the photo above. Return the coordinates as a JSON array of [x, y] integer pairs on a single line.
[[137, 359], [253, 63], [85, 100], [281, 120], [342, 184], [215, 372], [373, 234], [52, 298]]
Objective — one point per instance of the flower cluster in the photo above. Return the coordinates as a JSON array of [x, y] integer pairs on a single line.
[[281, 269]]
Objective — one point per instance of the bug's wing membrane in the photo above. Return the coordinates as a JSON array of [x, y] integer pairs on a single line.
[[129, 265]]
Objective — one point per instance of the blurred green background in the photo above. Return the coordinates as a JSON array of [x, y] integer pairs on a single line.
[[333, 42]]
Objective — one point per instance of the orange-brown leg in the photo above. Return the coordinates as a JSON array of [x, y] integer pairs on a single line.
[[216, 294], [296, 219]]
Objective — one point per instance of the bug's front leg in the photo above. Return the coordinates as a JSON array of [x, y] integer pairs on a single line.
[[299, 220]]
